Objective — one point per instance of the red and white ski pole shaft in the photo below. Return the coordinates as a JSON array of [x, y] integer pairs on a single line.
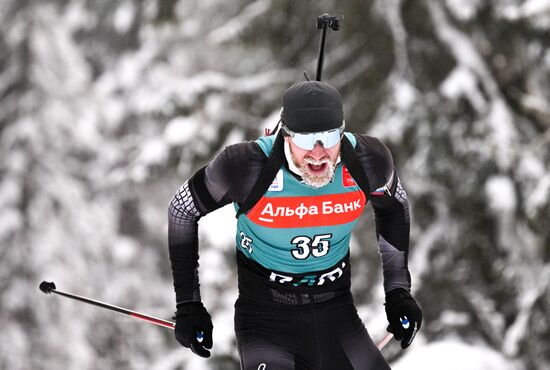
[[389, 336], [384, 341], [49, 287]]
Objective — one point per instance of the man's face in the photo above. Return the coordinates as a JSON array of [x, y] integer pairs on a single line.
[[317, 165]]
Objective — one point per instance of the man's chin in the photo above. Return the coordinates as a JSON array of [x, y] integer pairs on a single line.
[[317, 179]]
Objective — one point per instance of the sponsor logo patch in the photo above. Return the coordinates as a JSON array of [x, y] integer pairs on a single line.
[[308, 211], [347, 180], [277, 184]]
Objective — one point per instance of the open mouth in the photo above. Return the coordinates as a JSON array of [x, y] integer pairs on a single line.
[[317, 168]]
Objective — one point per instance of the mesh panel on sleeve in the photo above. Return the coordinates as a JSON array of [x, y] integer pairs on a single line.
[[182, 206], [401, 196]]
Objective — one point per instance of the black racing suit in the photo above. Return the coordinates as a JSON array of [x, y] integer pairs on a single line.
[[288, 326]]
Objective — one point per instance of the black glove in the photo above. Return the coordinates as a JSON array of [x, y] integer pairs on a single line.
[[404, 316], [194, 327]]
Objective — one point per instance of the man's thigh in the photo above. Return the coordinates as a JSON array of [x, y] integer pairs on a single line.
[[260, 355]]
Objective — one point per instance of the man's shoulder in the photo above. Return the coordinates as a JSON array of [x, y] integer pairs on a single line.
[[372, 144], [242, 153], [375, 158], [266, 143], [233, 171]]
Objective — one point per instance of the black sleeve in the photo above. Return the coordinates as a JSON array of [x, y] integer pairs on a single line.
[[231, 175], [391, 210], [226, 179], [183, 217]]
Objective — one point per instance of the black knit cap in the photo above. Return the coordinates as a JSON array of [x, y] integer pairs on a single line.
[[312, 106]]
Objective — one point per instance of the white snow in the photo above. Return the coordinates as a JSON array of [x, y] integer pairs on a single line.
[[123, 17], [154, 151], [451, 318], [10, 191], [462, 82], [66, 131], [451, 354], [535, 287], [270, 121], [537, 11], [181, 130], [125, 250], [501, 194], [405, 94], [61, 68], [218, 228], [503, 135], [536, 8], [464, 10], [539, 196], [394, 122], [11, 221], [234, 26], [225, 332], [499, 119]]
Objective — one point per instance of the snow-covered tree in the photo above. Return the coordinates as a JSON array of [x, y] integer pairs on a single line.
[[107, 107]]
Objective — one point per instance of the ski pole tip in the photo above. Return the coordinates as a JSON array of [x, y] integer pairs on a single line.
[[47, 287]]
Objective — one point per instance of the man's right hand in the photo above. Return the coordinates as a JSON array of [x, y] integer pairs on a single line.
[[192, 319]]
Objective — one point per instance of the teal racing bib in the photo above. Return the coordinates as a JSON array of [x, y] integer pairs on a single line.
[[295, 228]]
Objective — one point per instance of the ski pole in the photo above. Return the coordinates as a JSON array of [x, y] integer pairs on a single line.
[[389, 336], [384, 341], [323, 22], [49, 287]]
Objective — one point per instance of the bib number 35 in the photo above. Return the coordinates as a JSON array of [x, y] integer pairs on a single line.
[[306, 246]]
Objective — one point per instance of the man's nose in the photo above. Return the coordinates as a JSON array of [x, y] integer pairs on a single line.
[[318, 151]]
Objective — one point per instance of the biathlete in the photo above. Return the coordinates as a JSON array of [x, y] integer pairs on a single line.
[[298, 195]]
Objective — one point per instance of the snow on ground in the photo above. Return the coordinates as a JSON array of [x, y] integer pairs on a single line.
[[450, 354], [218, 228]]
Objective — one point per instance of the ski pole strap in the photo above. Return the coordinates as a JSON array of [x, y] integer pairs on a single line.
[[271, 167]]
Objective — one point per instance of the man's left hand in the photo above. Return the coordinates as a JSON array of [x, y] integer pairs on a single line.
[[404, 316]]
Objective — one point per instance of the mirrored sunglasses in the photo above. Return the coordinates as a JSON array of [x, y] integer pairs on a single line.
[[307, 141]]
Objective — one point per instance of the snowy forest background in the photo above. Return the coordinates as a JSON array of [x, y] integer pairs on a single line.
[[106, 107]]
